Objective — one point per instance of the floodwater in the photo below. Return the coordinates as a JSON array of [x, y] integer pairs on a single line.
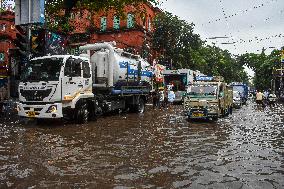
[[159, 149]]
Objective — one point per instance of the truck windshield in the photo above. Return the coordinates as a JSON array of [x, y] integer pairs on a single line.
[[203, 90], [239, 88], [47, 69]]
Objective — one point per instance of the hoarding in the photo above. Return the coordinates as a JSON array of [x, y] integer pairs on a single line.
[[29, 12]]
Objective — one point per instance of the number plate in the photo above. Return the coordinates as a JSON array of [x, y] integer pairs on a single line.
[[31, 114], [197, 114]]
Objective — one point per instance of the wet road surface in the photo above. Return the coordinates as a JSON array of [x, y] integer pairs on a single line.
[[159, 149]]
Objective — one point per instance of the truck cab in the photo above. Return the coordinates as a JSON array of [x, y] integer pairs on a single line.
[[52, 84], [242, 88]]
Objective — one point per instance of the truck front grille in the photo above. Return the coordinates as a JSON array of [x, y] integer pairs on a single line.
[[35, 95], [35, 109]]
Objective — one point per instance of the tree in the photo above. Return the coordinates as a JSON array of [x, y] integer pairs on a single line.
[[52, 6], [174, 40], [179, 46], [212, 60], [263, 65], [59, 10]]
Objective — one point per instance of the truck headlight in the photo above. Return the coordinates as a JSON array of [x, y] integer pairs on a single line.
[[52, 109]]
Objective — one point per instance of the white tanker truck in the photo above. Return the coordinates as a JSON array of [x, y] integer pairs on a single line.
[[80, 87]]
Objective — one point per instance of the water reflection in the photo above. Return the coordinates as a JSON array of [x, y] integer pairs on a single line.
[[157, 149]]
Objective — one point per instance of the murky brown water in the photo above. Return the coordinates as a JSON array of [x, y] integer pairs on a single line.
[[159, 149]]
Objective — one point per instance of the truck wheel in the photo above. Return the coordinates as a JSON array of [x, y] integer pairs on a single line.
[[82, 113], [140, 107]]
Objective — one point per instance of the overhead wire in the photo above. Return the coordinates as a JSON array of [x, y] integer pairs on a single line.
[[226, 17]]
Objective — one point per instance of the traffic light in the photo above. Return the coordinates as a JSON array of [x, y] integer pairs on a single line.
[[21, 40], [38, 42]]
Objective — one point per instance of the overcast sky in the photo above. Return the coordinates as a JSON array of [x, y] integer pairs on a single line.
[[249, 25]]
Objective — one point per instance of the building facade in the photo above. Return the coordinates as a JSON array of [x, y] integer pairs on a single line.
[[131, 31], [7, 37]]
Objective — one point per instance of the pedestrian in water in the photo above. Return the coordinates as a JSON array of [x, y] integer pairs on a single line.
[[171, 97], [155, 99], [161, 97], [259, 97], [265, 97], [166, 100]]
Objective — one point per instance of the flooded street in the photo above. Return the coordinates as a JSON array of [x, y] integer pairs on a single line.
[[159, 149]]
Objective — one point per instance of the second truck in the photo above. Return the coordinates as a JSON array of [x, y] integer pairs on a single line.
[[208, 98]]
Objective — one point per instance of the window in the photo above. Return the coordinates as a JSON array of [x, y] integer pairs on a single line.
[[89, 16], [73, 67], [42, 69], [103, 23], [130, 20], [72, 15], [80, 14], [144, 20], [2, 56], [116, 22], [73, 51], [149, 24], [86, 70]]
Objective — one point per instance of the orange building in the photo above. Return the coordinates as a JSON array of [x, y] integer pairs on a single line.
[[132, 31], [7, 37]]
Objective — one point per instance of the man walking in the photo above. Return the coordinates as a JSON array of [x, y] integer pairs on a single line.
[[259, 97]]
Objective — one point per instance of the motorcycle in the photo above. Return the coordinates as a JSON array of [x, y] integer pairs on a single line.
[[272, 99]]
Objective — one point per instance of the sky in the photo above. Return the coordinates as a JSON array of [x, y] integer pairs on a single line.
[[247, 25]]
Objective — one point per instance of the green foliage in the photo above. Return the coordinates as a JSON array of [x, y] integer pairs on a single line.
[[181, 47], [175, 39], [263, 66], [59, 10], [52, 6]]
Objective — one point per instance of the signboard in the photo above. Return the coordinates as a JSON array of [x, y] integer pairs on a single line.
[[29, 12], [204, 78]]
